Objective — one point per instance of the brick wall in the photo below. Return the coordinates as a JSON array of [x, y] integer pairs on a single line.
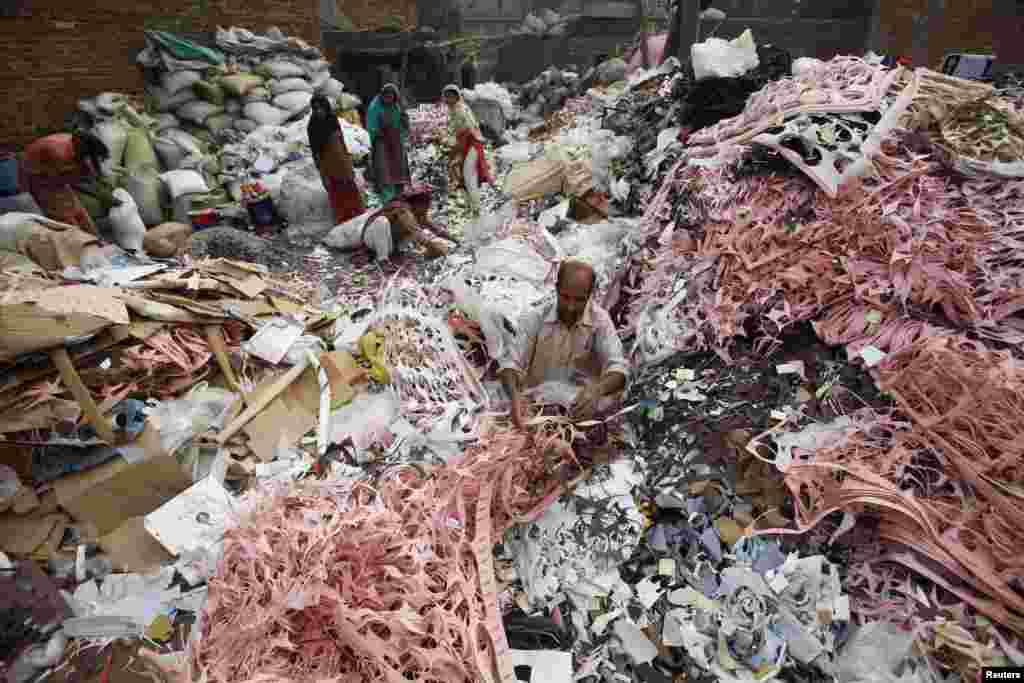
[[929, 29], [370, 15], [56, 52]]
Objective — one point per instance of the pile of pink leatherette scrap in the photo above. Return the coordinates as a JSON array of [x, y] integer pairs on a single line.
[[364, 584]]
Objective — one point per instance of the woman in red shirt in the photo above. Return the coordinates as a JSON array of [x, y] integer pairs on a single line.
[[51, 167]]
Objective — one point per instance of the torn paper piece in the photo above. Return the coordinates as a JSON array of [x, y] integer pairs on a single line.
[[637, 645], [545, 666]]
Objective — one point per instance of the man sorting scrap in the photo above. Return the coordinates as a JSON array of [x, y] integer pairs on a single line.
[[571, 339]]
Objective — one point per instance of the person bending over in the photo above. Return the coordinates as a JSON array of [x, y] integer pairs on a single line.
[[572, 337], [52, 166]]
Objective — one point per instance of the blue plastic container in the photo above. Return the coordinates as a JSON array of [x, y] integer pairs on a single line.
[[8, 175], [262, 212]]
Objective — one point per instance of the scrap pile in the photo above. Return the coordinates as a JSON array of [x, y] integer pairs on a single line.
[[893, 232]]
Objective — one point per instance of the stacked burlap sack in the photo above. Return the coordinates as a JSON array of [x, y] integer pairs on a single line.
[[256, 80]]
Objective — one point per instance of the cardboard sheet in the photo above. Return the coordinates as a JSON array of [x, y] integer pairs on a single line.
[[288, 417], [22, 535], [102, 302], [133, 549], [114, 492], [25, 328], [40, 417]]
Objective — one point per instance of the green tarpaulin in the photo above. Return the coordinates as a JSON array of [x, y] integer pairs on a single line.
[[184, 49]]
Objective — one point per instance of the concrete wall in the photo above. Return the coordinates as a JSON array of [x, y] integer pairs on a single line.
[[807, 28]]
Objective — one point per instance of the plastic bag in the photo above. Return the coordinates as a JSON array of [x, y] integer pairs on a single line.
[[302, 198], [204, 408], [605, 147], [198, 111], [10, 485], [484, 228], [334, 89], [184, 182], [379, 239], [515, 152], [305, 344], [290, 85], [365, 420], [294, 101], [806, 66], [873, 653], [126, 224], [348, 235], [174, 83], [717, 58], [266, 114], [239, 85], [513, 258], [283, 69], [493, 323]]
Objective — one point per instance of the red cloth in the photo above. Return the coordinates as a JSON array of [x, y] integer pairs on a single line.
[[467, 141], [346, 199]]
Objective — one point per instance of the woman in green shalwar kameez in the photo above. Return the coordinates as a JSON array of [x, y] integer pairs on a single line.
[[388, 125]]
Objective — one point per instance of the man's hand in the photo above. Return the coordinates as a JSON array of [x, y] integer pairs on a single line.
[[517, 411], [587, 400], [510, 380]]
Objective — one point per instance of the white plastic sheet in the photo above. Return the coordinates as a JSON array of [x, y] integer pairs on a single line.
[[513, 258], [717, 58]]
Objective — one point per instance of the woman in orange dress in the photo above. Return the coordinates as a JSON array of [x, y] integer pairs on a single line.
[[51, 167], [332, 158]]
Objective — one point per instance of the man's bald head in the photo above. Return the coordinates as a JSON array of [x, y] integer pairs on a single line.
[[575, 273], [575, 285]]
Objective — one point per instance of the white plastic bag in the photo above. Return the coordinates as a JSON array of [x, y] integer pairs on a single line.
[[184, 182], [491, 320], [198, 111], [366, 419], [247, 125], [176, 82], [334, 89], [283, 69], [220, 122], [717, 58], [265, 114], [290, 85], [348, 235], [165, 121], [302, 199], [128, 228], [293, 102], [515, 152], [805, 66], [380, 239], [513, 258], [204, 408], [483, 229]]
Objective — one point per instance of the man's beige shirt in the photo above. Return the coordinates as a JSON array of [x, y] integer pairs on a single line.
[[545, 348]]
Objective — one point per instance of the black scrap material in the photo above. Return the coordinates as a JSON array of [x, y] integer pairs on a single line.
[[713, 99], [33, 609]]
